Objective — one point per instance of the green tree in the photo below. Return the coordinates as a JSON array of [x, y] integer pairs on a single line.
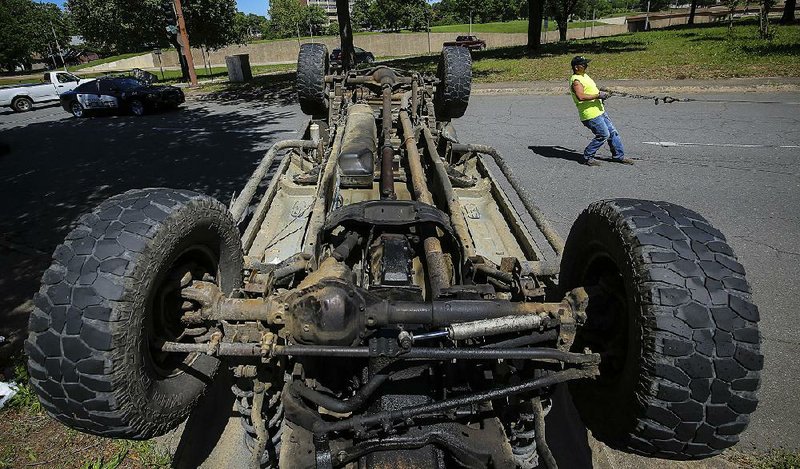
[[417, 14], [561, 11], [289, 18], [210, 23], [27, 31], [444, 13], [362, 14], [459, 11], [249, 26], [332, 29], [313, 20], [285, 17], [655, 5], [135, 25], [400, 14], [392, 13], [118, 26]]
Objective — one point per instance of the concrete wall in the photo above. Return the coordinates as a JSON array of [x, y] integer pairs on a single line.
[[140, 61], [382, 45]]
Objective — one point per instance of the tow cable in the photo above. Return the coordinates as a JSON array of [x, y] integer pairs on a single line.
[[656, 99], [670, 99]]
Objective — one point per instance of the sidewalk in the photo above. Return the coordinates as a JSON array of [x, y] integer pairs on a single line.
[[731, 85]]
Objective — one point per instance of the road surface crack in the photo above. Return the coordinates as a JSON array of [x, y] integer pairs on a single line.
[[767, 245]]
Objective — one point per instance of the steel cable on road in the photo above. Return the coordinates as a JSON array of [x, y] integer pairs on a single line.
[[671, 99]]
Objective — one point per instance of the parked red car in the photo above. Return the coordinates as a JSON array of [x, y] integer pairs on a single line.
[[470, 42]]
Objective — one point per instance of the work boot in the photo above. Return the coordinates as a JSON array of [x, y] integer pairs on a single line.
[[623, 161], [591, 162]]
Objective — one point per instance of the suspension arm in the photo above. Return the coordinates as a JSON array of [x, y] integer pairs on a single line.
[[298, 413]]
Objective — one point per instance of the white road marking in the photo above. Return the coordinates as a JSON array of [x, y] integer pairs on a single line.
[[735, 145]]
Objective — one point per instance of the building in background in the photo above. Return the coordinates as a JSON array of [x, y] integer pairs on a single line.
[[328, 5]]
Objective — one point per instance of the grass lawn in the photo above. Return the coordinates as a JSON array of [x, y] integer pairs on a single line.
[[518, 26], [172, 76], [30, 438], [702, 52]]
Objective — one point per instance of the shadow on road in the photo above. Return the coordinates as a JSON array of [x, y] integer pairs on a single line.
[[58, 170], [206, 424], [565, 433], [275, 88], [557, 152], [8, 112]]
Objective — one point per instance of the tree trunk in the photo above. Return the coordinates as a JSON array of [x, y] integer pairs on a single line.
[[535, 12], [173, 39], [691, 12], [345, 33], [788, 12], [562, 31]]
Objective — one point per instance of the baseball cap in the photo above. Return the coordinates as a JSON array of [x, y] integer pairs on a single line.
[[580, 60]]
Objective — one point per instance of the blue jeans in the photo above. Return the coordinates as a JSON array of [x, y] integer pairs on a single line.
[[603, 131]]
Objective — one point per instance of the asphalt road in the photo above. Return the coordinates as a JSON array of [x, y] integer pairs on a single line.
[[61, 167], [736, 174], [750, 193]]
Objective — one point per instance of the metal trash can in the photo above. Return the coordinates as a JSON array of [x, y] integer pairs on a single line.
[[238, 68]]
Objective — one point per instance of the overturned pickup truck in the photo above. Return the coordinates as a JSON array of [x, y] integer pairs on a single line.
[[384, 300]]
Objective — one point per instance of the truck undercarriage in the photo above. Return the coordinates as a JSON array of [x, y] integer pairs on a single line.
[[382, 307], [391, 297]]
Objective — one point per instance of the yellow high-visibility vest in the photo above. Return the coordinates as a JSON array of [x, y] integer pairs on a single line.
[[591, 108]]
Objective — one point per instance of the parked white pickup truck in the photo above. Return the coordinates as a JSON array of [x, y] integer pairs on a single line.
[[21, 97]]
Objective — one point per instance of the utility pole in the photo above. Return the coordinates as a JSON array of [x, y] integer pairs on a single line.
[[52, 56], [187, 49], [647, 17], [55, 38], [470, 21]]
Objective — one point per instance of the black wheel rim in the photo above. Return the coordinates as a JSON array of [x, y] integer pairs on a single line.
[[77, 109], [163, 321], [608, 324], [137, 108]]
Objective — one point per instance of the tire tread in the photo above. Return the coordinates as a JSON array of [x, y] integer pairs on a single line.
[[699, 332], [73, 350]]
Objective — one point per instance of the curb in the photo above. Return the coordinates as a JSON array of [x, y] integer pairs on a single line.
[[733, 85]]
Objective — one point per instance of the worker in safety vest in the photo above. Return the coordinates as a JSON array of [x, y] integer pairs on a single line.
[[589, 100]]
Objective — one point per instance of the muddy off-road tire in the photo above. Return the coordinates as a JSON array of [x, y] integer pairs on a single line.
[[671, 315], [312, 66], [455, 75], [111, 294]]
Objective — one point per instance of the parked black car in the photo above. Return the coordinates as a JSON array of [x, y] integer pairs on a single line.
[[362, 57], [121, 94]]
